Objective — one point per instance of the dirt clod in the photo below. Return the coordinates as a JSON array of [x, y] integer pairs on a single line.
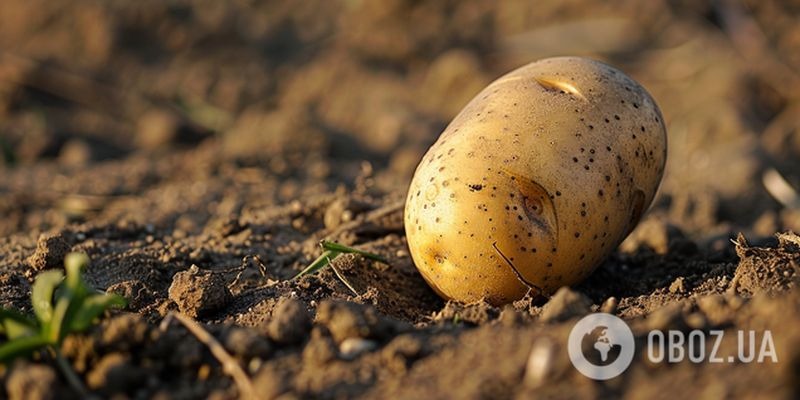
[[199, 292], [566, 304], [349, 320], [290, 322], [114, 373], [246, 343], [767, 269], [50, 252], [135, 291], [32, 382]]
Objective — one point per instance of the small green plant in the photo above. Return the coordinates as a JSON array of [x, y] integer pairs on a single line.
[[61, 305], [331, 250]]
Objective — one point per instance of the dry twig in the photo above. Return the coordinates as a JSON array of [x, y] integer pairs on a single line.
[[229, 364]]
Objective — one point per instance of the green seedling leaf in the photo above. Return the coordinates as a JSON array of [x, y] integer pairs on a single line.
[[92, 307], [42, 294], [67, 303], [15, 325], [340, 248], [321, 261], [74, 264], [21, 347]]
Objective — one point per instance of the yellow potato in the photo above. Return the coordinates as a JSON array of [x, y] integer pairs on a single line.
[[543, 173]]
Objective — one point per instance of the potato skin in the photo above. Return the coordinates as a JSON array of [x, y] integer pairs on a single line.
[[547, 169]]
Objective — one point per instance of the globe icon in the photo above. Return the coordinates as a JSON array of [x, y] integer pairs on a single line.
[[601, 346], [597, 347]]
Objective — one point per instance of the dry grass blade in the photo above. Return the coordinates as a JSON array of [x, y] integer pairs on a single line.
[[780, 189], [342, 278], [229, 364]]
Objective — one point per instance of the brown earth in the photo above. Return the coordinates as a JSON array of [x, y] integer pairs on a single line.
[[198, 152]]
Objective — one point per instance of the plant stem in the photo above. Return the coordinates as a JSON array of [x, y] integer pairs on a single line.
[[333, 246], [72, 378]]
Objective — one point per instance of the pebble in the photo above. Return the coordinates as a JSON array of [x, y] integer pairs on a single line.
[[351, 348], [610, 305], [540, 362]]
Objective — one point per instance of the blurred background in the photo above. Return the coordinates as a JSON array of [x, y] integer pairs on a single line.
[[172, 111]]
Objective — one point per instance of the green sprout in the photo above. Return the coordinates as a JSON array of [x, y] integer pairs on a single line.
[[61, 306], [331, 250]]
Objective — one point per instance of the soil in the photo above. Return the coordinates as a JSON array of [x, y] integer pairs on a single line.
[[198, 152]]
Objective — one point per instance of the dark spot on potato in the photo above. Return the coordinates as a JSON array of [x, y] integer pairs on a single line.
[[475, 187]]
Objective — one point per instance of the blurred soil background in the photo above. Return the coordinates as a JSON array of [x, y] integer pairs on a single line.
[[197, 151]]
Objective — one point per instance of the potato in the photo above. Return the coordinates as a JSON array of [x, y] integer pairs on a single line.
[[542, 175]]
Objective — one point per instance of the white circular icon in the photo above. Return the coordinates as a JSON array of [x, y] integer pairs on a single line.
[[601, 346]]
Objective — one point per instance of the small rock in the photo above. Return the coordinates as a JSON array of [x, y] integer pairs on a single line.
[[50, 252], [610, 305], [199, 292], [677, 286], [351, 348], [32, 382], [566, 304], [540, 362], [290, 321]]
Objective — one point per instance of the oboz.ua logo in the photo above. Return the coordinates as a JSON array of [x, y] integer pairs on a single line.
[[601, 346]]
